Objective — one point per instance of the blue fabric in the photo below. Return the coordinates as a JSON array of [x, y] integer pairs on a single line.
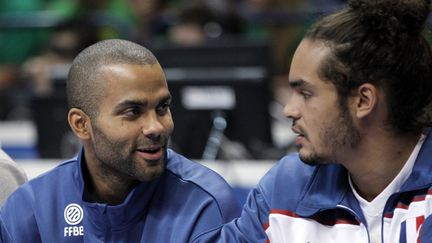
[[186, 201]]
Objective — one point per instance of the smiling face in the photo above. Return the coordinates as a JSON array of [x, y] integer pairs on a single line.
[[133, 124], [324, 127]]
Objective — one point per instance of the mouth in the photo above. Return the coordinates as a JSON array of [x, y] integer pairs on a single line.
[[300, 135], [298, 131], [299, 140], [151, 153]]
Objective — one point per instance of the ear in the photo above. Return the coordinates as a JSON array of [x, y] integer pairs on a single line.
[[366, 100], [80, 123]]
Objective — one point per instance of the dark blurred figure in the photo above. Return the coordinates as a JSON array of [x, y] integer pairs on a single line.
[[151, 19], [15, 47], [195, 22], [278, 22], [69, 38], [39, 36]]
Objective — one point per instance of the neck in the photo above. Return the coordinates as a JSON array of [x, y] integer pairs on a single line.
[[377, 161], [104, 185]]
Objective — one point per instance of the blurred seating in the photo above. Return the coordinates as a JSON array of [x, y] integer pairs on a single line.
[[40, 38]]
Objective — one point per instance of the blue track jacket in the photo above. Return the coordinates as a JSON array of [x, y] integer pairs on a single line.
[[297, 203], [187, 200]]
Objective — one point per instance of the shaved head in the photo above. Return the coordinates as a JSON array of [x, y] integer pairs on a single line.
[[85, 86]]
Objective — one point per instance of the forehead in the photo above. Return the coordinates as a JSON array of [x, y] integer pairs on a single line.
[[133, 81], [307, 60]]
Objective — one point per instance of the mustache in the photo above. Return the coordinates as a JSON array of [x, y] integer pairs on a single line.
[[154, 141], [298, 130]]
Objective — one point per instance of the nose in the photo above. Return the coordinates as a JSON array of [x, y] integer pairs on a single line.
[[152, 125], [291, 111]]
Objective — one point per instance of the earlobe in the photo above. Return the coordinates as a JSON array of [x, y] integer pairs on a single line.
[[366, 100], [79, 123]]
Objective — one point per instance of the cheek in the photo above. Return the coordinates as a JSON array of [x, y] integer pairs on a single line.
[[168, 124], [122, 133], [317, 127], [314, 119]]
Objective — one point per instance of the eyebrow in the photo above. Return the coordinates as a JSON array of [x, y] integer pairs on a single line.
[[143, 103], [299, 83], [167, 98]]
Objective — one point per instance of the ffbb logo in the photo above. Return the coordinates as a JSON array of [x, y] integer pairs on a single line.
[[73, 215]]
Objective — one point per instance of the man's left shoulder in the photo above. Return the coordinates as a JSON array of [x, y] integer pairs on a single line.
[[201, 178], [194, 172]]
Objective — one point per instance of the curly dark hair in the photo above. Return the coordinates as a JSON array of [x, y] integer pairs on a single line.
[[381, 42]]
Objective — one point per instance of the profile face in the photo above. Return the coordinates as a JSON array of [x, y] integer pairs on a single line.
[[324, 128], [133, 125]]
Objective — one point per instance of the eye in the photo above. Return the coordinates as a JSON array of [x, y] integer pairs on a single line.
[[305, 94], [163, 108], [132, 112]]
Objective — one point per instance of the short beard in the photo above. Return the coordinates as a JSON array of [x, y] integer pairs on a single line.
[[343, 134], [313, 159]]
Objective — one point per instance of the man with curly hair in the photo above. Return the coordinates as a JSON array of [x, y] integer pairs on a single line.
[[360, 93]]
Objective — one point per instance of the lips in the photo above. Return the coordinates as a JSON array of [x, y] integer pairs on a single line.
[[300, 136], [295, 130], [298, 131], [151, 153], [299, 139]]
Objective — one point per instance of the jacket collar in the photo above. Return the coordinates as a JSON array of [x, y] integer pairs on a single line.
[[327, 188], [421, 174], [118, 216]]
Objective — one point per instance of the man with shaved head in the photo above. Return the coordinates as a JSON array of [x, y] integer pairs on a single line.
[[125, 185]]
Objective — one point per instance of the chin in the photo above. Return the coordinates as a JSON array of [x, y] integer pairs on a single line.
[[311, 158], [315, 159], [149, 178], [308, 160], [152, 173]]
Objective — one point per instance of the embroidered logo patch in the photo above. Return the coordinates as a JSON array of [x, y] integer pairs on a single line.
[[73, 214]]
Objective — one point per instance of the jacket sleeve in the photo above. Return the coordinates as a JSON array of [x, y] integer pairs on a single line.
[[271, 192], [248, 228]]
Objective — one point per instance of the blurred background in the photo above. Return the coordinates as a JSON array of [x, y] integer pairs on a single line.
[[226, 62]]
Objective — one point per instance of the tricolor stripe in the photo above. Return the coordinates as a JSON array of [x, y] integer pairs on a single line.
[[321, 220]]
